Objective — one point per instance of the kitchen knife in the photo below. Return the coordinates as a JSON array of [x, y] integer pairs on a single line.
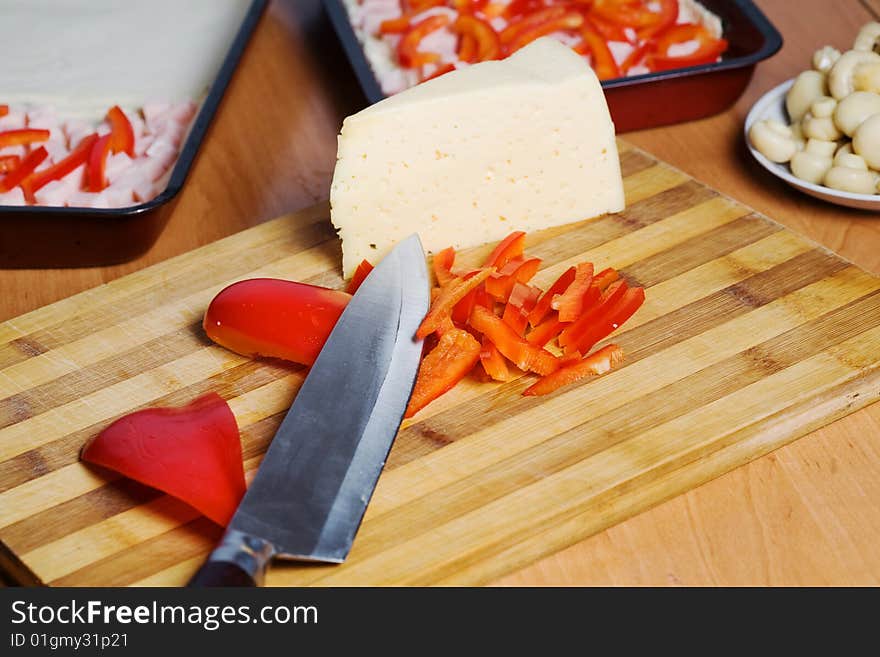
[[312, 488]]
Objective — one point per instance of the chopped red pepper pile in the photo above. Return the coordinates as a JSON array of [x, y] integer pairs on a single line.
[[492, 320], [490, 29], [192, 452]]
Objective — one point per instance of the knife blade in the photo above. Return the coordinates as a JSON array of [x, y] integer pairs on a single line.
[[313, 485]]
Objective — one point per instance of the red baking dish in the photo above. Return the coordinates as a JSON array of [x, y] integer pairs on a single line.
[[654, 99], [43, 236]]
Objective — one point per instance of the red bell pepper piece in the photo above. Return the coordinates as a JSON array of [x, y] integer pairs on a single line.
[[570, 303], [609, 31], [274, 318], [519, 8], [449, 295], [571, 335], [626, 14], [596, 364], [571, 20], [519, 270], [4, 110], [609, 321], [507, 249], [60, 169], [521, 301], [467, 48], [513, 347], [468, 6], [397, 25], [636, 56], [667, 16], [362, 271], [443, 69], [523, 22], [445, 365], [442, 265], [408, 52], [543, 306], [600, 55], [484, 43], [192, 453], [605, 278], [22, 137], [15, 177], [493, 362], [416, 6], [544, 332], [9, 162], [707, 52], [121, 132], [96, 178]]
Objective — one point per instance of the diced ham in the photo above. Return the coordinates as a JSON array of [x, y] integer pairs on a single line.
[[183, 113], [53, 193], [13, 121], [76, 131], [57, 147], [163, 152], [118, 197], [45, 118], [141, 145], [117, 163], [19, 150], [154, 111], [13, 197]]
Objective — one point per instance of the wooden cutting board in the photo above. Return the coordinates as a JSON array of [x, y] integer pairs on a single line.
[[750, 337]]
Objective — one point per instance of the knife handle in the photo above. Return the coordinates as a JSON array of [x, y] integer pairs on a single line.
[[239, 560]]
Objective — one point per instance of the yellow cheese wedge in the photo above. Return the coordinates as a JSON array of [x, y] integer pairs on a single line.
[[519, 144]]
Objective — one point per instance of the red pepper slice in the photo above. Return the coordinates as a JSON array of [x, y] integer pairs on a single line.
[[609, 31], [605, 278], [570, 303], [493, 362], [486, 42], [571, 20], [22, 137], [468, 6], [521, 301], [626, 14], [442, 265], [543, 306], [596, 364], [636, 56], [121, 132], [192, 453], [467, 48], [60, 169], [408, 52], [518, 270], [15, 177], [570, 336], [528, 21], [96, 178], [441, 70], [546, 331], [667, 15], [362, 271], [524, 355], [397, 25], [615, 316], [416, 6], [507, 249], [519, 8], [9, 162], [445, 365], [274, 318], [4, 110], [600, 55], [707, 52], [449, 295]]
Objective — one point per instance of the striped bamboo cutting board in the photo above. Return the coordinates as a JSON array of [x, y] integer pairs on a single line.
[[750, 337]]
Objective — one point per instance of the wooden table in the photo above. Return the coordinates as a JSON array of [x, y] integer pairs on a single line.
[[807, 514]]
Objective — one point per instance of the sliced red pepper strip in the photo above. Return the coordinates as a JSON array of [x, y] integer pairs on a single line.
[[507, 249], [708, 50], [192, 453], [449, 295], [9, 162], [121, 132], [15, 177], [468, 6], [96, 177], [571, 20], [397, 25], [60, 169], [596, 364], [605, 278], [360, 274], [408, 52], [274, 318], [543, 306], [467, 48], [615, 316], [602, 60], [520, 303], [636, 56], [609, 297], [570, 303], [544, 332], [668, 15], [462, 310], [525, 356], [417, 6], [626, 14], [609, 31], [518, 270], [22, 137], [442, 265], [493, 362], [519, 8], [4, 110], [445, 365], [528, 21], [443, 69], [486, 39]]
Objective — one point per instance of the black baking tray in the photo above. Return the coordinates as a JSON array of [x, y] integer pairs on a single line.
[[44, 237], [653, 99]]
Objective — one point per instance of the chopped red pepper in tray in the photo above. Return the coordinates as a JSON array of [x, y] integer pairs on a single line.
[[192, 452]]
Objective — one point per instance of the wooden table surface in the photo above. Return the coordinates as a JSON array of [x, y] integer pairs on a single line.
[[807, 514]]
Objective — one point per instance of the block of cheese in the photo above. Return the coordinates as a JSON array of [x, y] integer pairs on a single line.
[[523, 143]]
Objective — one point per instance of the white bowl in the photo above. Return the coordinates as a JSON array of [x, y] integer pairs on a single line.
[[772, 106]]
